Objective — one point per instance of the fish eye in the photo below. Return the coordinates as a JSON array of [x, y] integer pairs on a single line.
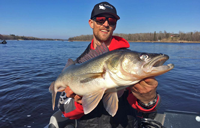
[[144, 56]]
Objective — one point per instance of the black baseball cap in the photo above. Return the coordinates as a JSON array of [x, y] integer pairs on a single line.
[[104, 7]]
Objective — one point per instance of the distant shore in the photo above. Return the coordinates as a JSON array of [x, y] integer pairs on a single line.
[[20, 38], [167, 41], [127, 40], [165, 37], [149, 41], [191, 37]]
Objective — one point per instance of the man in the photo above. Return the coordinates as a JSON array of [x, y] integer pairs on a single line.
[[141, 97]]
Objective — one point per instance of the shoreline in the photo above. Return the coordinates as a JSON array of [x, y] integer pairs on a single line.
[[127, 40], [149, 41], [167, 41]]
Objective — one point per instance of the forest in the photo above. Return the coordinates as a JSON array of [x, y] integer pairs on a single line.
[[16, 37], [149, 37], [136, 37]]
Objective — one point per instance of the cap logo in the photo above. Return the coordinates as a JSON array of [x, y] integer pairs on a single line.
[[101, 7], [108, 6]]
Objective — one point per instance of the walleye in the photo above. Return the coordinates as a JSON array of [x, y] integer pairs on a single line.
[[107, 75]]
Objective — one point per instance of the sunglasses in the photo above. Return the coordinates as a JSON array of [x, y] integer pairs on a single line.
[[101, 20]]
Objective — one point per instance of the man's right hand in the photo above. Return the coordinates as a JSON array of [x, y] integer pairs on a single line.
[[71, 94]]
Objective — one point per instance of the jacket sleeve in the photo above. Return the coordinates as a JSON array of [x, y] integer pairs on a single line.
[[134, 103], [69, 107]]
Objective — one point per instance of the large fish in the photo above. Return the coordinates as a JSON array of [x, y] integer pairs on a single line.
[[106, 76]]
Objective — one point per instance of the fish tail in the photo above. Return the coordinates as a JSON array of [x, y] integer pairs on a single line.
[[53, 99], [53, 92]]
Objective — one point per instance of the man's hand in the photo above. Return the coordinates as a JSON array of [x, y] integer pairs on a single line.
[[145, 90], [70, 93]]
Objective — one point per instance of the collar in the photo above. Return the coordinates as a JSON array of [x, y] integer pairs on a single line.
[[116, 43]]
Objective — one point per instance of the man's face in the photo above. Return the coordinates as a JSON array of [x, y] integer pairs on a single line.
[[103, 31]]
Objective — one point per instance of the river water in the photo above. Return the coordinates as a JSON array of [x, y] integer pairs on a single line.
[[27, 68]]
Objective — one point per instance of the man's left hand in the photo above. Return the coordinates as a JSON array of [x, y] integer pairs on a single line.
[[145, 90]]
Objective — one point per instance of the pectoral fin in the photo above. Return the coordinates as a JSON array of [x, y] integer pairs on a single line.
[[90, 76], [110, 101], [91, 100]]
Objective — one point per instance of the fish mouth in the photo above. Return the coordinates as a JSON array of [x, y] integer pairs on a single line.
[[156, 65]]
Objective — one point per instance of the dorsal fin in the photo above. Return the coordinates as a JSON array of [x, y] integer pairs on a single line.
[[101, 49], [69, 62]]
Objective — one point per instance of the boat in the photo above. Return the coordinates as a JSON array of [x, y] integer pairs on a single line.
[[3, 42], [58, 120], [168, 119], [176, 119]]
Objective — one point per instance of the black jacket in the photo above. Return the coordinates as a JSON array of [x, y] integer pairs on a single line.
[[126, 116], [99, 117]]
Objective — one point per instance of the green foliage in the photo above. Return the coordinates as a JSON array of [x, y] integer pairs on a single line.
[[12, 35], [15, 37], [155, 37], [165, 36]]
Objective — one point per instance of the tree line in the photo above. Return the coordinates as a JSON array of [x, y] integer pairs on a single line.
[[160, 36], [137, 37], [16, 37]]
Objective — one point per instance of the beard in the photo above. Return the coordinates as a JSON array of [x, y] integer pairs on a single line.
[[105, 38]]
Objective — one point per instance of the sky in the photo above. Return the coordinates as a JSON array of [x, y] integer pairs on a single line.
[[68, 18]]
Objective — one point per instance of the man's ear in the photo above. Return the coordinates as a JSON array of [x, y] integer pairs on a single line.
[[91, 23]]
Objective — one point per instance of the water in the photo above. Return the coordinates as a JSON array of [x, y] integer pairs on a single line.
[[27, 68]]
